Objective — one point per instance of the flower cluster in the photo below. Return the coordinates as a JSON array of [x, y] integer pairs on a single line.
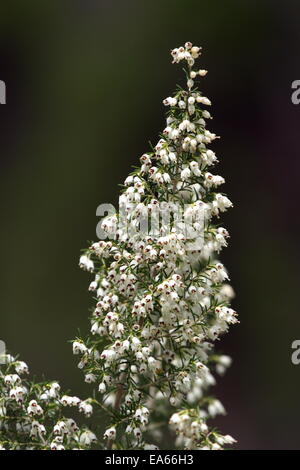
[[162, 301], [31, 414], [192, 429]]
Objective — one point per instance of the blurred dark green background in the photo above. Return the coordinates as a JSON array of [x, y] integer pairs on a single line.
[[85, 82]]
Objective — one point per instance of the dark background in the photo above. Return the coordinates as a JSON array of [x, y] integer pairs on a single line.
[[85, 82]]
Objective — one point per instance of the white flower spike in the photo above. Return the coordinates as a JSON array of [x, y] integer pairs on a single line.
[[163, 298]]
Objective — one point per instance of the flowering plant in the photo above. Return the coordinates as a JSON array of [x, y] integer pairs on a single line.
[[32, 414], [162, 300]]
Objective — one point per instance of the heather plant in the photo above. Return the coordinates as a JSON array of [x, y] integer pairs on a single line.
[[162, 301], [33, 414], [162, 295]]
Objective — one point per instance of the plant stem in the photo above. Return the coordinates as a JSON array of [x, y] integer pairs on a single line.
[[119, 396]]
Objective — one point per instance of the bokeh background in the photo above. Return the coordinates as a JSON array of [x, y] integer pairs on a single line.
[[85, 82]]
